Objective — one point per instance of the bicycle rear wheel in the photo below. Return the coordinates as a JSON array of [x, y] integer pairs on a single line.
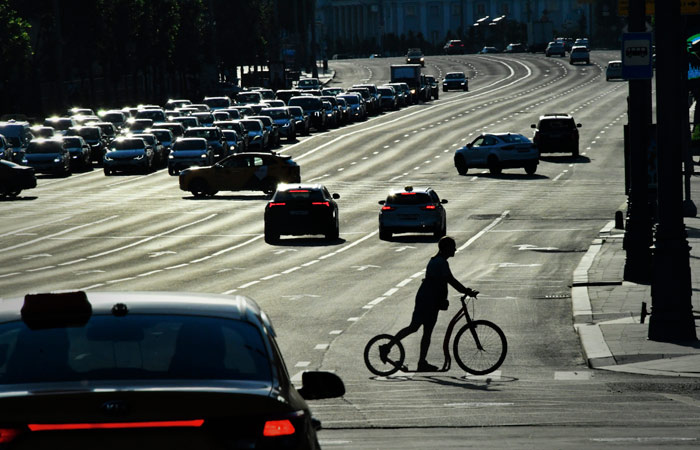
[[392, 363], [480, 347]]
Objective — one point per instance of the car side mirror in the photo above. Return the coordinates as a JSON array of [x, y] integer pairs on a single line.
[[578, 125], [319, 385], [443, 201], [381, 202], [470, 145], [335, 196], [533, 126]]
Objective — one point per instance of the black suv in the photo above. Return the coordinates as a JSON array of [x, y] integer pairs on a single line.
[[556, 133], [300, 209]]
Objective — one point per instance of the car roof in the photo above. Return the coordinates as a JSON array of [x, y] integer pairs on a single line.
[[419, 190], [236, 307]]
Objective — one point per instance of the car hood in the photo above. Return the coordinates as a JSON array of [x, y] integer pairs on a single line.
[[41, 157], [187, 153], [125, 154]]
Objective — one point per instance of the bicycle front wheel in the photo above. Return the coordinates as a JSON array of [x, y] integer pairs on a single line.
[[393, 361], [480, 347]]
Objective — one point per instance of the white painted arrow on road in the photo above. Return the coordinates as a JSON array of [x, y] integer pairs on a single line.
[[361, 268], [534, 247], [405, 247]]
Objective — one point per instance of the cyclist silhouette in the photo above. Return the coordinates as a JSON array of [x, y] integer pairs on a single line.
[[431, 295]]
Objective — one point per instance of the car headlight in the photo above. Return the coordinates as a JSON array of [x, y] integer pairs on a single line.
[[57, 159], [25, 161], [203, 156], [171, 156]]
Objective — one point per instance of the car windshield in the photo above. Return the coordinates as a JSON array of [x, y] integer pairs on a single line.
[[44, 147], [91, 134], [208, 134], [128, 144], [253, 97], [217, 102], [452, 76], [187, 144], [113, 117], [352, 99], [409, 198], [556, 124], [386, 92], [162, 135], [252, 125], [306, 102], [296, 111], [276, 113], [72, 142], [136, 347]]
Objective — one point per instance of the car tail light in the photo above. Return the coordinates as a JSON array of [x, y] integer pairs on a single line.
[[408, 193], [388, 208], [321, 203], [270, 205], [429, 207], [8, 434], [298, 190], [278, 428]]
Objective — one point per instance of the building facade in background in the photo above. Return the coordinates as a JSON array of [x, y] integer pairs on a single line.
[[435, 20]]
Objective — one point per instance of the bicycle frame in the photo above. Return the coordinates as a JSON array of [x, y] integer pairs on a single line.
[[448, 333]]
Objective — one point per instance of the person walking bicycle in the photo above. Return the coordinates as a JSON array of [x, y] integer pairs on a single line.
[[430, 300]]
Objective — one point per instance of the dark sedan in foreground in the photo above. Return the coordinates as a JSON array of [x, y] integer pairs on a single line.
[[15, 178], [114, 370]]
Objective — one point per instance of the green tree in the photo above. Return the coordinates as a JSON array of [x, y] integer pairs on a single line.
[[15, 56]]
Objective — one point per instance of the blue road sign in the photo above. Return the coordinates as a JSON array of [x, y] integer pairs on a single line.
[[636, 56]]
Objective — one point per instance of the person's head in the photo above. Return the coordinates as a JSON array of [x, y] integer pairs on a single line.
[[447, 246]]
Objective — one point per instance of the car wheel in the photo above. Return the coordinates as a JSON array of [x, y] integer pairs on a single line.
[[108, 171], [441, 231], [530, 168], [271, 237], [384, 235], [269, 186], [333, 234], [199, 188], [444, 89], [171, 171], [494, 166], [461, 165]]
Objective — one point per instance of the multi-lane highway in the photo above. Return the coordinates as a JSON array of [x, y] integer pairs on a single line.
[[519, 239]]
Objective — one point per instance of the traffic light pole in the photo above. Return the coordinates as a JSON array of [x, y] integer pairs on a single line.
[[638, 236], [672, 310]]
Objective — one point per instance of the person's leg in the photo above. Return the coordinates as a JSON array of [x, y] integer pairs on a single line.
[[411, 328], [428, 326]]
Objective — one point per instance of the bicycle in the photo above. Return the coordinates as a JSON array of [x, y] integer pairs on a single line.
[[479, 347]]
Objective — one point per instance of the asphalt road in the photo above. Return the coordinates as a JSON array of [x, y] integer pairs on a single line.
[[519, 239]]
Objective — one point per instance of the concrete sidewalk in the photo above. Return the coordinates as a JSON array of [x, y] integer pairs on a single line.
[[607, 311]]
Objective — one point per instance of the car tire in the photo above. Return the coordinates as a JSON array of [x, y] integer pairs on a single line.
[[461, 165], [494, 166], [333, 234], [444, 89], [384, 235], [108, 172], [270, 236], [269, 186], [199, 188], [530, 168], [441, 231], [171, 171]]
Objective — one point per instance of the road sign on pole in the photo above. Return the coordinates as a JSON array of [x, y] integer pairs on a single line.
[[636, 56]]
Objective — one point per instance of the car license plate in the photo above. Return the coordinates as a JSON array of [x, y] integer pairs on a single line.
[[299, 213]]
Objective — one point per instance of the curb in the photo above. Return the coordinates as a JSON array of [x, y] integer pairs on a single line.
[[595, 349]]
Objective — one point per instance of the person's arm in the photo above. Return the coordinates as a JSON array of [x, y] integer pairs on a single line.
[[456, 284]]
